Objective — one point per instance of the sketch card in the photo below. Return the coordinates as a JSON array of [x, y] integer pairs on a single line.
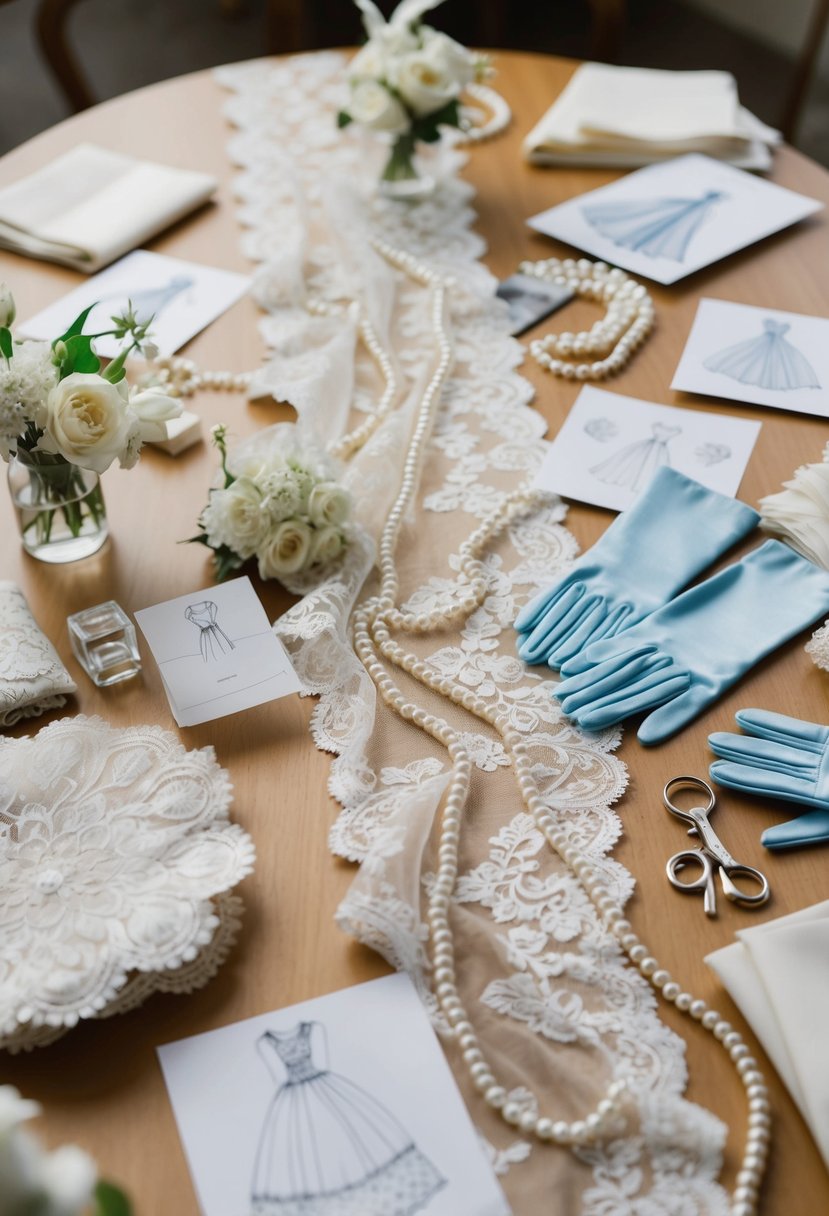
[[610, 446], [530, 300], [670, 219], [759, 355], [339, 1106], [216, 652], [183, 297]]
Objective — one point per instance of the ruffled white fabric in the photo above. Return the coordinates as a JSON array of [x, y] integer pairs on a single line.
[[33, 680], [799, 513], [116, 858], [556, 1002]]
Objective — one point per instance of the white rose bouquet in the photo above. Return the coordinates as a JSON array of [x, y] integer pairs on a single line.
[[60, 413], [34, 1182], [278, 501], [407, 80]]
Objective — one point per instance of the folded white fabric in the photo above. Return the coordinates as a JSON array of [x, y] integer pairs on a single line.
[[777, 974], [625, 117], [90, 206], [32, 677]]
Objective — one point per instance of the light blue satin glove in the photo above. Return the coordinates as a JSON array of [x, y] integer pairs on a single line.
[[673, 531], [778, 757], [686, 654]]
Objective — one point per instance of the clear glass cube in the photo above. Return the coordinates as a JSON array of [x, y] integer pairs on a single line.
[[104, 643]]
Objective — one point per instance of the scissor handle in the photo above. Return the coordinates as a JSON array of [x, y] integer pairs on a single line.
[[705, 881], [735, 893], [688, 783]]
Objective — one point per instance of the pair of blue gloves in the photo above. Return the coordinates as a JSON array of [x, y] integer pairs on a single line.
[[625, 640]]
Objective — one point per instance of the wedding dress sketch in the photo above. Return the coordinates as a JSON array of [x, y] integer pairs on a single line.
[[213, 641], [327, 1148], [635, 464], [768, 361], [660, 228], [151, 301]]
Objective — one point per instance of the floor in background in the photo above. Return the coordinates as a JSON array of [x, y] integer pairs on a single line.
[[124, 44]]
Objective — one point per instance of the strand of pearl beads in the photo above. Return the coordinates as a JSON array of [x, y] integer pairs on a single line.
[[372, 625], [607, 346], [182, 377]]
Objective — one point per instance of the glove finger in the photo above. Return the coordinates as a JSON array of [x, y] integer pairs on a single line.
[[811, 828], [670, 718], [592, 629], [779, 757], [531, 613], [661, 687], [614, 673], [764, 782], [765, 724], [556, 623], [603, 650]]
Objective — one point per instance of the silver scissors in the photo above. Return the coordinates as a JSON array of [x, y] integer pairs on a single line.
[[711, 853]]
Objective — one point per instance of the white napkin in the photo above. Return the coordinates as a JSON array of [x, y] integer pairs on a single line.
[[636, 116], [90, 206], [778, 974]]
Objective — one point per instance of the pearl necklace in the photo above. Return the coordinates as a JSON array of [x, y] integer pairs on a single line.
[[373, 622], [499, 119], [629, 319]]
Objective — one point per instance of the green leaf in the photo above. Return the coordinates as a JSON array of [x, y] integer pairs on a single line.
[[343, 119], [80, 357], [427, 130], [77, 325], [115, 369], [111, 1201], [6, 344], [225, 562]]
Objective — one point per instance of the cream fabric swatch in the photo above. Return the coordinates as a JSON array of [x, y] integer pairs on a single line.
[[91, 206], [624, 117], [33, 680], [778, 975]]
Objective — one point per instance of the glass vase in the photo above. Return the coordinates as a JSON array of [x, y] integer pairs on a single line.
[[60, 507], [402, 177]]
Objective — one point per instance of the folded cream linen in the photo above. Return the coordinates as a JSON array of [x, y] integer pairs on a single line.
[[32, 677], [91, 206], [625, 117], [778, 975]]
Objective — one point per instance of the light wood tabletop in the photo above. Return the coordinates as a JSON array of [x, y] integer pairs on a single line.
[[101, 1085]]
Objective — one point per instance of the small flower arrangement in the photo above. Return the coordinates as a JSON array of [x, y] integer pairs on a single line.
[[280, 502], [61, 416], [34, 1182], [406, 81]]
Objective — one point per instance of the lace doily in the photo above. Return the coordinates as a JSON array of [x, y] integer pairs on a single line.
[[559, 1009], [116, 857], [33, 680]]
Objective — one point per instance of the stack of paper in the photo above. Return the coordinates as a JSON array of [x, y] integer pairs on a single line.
[[636, 116]]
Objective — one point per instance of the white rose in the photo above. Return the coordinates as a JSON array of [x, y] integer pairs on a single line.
[[329, 504], [455, 60], [328, 545], [153, 408], [68, 1176], [287, 551], [236, 517], [372, 105], [369, 63], [425, 79], [87, 420], [7, 309]]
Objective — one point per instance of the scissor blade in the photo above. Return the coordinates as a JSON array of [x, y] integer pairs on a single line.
[[709, 899]]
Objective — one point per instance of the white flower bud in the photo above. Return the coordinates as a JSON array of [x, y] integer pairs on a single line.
[[7, 309]]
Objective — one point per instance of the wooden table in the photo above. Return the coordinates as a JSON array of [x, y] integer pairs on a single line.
[[101, 1085]]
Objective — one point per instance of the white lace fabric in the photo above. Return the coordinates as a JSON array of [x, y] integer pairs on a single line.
[[117, 856], [33, 679], [559, 1011]]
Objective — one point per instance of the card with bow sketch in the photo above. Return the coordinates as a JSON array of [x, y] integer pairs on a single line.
[[182, 297], [216, 652], [610, 446], [668, 220], [759, 355], [342, 1105]]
